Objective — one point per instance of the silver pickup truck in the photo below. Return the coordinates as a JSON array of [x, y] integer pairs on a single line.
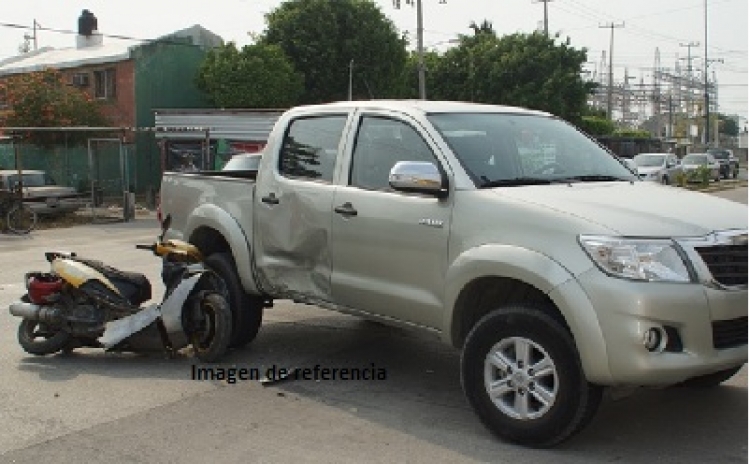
[[506, 232]]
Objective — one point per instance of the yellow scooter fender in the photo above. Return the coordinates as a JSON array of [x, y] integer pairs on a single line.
[[77, 274]]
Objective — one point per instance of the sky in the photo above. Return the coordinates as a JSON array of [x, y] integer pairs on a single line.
[[669, 25]]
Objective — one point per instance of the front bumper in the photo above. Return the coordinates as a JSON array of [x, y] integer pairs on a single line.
[[692, 316]]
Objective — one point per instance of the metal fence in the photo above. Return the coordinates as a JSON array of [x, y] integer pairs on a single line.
[[98, 163]]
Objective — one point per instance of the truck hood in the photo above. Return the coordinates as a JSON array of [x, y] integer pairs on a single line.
[[638, 209]]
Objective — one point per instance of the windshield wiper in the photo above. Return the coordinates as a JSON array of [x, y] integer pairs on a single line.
[[518, 181], [597, 178]]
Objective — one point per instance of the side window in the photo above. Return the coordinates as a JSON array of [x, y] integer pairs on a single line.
[[311, 146], [381, 143]]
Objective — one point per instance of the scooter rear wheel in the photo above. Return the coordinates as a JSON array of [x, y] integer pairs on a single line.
[[39, 342], [211, 327]]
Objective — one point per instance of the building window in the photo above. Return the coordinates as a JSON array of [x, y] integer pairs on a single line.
[[80, 79], [104, 83]]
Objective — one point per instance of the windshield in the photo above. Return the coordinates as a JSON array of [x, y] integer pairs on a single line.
[[720, 154], [695, 159], [498, 149], [648, 160], [31, 180]]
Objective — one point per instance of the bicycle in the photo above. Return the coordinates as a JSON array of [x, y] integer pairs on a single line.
[[19, 217]]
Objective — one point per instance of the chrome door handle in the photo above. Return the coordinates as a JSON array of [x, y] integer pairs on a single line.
[[270, 199], [346, 210]]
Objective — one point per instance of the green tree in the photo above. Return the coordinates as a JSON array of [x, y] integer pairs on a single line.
[[258, 76], [43, 99], [597, 125], [528, 70], [728, 125], [322, 37]]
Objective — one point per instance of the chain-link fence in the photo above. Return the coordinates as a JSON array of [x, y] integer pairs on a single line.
[[90, 172]]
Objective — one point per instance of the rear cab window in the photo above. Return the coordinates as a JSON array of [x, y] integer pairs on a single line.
[[310, 147]]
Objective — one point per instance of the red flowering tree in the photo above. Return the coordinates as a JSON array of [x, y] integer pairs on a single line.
[[44, 99]]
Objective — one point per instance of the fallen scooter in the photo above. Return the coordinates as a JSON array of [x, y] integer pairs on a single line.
[[85, 303]]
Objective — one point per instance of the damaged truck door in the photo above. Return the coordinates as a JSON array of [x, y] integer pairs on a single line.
[[293, 208]]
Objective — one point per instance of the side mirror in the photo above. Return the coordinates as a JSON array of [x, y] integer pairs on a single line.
[[418, 177]]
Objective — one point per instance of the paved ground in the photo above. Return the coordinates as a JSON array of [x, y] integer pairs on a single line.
[[95, 407]]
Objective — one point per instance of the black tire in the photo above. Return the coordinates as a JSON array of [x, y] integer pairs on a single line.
[[735, 173], [573, 401], [21, 219], [247, 310], [711, 380], [665, 180], [40, 344], [210, 326]]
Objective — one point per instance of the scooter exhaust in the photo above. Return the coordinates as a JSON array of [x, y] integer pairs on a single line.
[[34, 312]]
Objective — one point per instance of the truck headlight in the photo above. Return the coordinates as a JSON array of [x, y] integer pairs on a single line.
[[639, 259]]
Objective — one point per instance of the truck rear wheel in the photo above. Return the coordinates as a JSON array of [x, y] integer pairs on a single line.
[[247, 310], [521, 373]]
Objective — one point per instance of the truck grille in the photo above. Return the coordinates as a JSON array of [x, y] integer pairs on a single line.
[[730, 333], [727, 263]]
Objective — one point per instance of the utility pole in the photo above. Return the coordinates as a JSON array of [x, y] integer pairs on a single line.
[[351, 69], [36, 26], [546, 20], [670, 127], [707, 130], [420, 43], [690, 57], [612, 27], [420, 54]]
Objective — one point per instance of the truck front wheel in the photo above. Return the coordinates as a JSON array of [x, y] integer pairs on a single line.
[[247, 310], [521, 373]]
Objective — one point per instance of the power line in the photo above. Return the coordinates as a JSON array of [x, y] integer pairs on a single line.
[[112, 36]]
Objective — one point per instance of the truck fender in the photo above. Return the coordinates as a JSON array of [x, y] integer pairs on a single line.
[[213, 217], [546, 275]]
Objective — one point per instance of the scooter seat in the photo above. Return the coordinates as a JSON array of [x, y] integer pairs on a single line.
[[135, 287]]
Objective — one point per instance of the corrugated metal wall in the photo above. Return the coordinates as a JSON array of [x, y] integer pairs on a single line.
[[235, 125]]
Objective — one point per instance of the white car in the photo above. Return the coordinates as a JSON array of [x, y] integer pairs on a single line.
[[658, 167], [692, 162]]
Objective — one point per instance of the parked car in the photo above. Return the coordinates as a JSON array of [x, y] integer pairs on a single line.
[[692, 162], [729, 165], [243, 162], [42, 193], [658, 167]]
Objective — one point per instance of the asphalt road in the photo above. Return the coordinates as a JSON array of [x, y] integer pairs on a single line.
[[96, 407]]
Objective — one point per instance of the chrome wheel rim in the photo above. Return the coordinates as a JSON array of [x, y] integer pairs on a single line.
[[520, 378]]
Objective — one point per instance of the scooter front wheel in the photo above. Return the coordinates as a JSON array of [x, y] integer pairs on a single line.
[[211, 327], [34, 339]]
